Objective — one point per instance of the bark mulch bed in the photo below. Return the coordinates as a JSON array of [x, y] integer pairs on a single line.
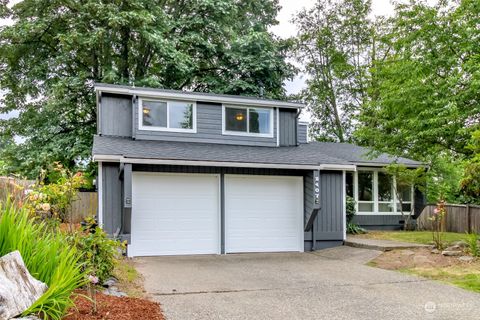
[[109, 307]]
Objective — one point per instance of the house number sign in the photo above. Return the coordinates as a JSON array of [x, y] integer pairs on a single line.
[[316, 188]]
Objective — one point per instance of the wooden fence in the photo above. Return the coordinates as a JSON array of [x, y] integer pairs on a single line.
[[459, 218], [86, 205]]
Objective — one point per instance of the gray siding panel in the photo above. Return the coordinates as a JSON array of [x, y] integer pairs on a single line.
[[308, 197], [329, 222], [112, 197], [331, 215], [288, 127], [302, 133], [380, 222], [209, 130], [116, 115]]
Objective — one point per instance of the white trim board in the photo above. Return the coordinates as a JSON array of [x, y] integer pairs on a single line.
[[121, 159], [192, 96]]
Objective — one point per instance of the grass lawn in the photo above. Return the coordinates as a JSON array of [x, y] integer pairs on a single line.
[[423, 237], [438, 267], [463, 276], [129, 280]]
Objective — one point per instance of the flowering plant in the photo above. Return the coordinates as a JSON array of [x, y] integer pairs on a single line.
[[437, 219], [53, 200]]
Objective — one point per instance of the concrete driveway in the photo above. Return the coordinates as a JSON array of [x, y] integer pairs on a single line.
[[328, 284]]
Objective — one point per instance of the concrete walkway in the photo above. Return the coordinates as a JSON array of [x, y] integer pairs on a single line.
[[381, 245], [328, 284]]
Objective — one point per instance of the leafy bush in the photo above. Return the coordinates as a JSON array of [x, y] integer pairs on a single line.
[[472, 241], [99, 253], [352, 228], [350, 209], [48, 256], [53, 200]]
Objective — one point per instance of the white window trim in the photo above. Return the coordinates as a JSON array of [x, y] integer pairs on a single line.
[[247, 134], [167, 128], [375, 201]]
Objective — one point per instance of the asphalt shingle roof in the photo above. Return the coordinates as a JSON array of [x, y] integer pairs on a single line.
[[314, 153]]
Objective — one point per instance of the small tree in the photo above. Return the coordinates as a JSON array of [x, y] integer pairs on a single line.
[[405, 179]]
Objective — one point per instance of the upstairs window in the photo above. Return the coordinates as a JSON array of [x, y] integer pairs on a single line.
[[248, 121], [159, 115]]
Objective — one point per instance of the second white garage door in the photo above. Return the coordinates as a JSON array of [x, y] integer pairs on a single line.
[[263, 213], [175, 214]]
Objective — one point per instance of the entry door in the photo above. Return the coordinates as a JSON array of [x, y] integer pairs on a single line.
[[263, 213], [174, 214]]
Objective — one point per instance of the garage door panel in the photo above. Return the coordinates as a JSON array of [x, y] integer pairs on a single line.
[[263, 213], [175, 214]]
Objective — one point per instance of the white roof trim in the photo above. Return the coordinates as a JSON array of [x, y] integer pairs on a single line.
[[191, 96], [202, 163], [369, 164], [342, 167]]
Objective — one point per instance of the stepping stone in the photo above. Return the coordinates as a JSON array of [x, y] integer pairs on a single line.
[[466, 258]]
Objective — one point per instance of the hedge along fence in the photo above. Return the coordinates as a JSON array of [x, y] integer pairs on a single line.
[[459, 218], [86, 205]]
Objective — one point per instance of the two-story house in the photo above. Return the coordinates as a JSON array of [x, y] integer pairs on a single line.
[[195, 173]]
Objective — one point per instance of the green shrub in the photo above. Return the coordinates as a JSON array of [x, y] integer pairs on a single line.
[[472, 241], [48, 256], [99, 252], [352, 228]]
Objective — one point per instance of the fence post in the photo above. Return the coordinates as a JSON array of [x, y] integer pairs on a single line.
[[469, 219]]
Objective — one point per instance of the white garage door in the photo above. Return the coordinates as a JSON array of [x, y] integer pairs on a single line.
[[263, 213], [174, 214]]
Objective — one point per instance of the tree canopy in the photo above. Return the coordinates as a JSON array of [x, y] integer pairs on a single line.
[[427, 88], [334, 45], [55, 51]]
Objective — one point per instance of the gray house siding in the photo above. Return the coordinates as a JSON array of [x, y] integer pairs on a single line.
[[209, 130], [308, 197], [115, 114], [379, 222], [302, 132], [328, 226], [288, 127], [112, 197]]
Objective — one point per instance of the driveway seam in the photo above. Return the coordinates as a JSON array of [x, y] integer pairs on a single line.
[[285, 289]]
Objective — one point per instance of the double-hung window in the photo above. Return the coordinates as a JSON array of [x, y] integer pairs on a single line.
[[239, 120], [177, 116]]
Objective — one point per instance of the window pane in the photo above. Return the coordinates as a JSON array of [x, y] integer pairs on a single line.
[[181, 115], [365, 185], [154, 113], [259, 121], [365, 207], [384, 187], [405, 192], [385, 207], [407, 207], [349, 183], [236, 119]]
